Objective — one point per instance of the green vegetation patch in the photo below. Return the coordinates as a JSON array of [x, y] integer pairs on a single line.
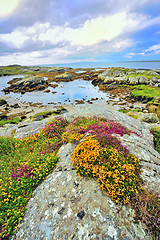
[[46, 114], [15, 120], [144, 74], [24, 164], [15, 70], [145, 92], [156, 134]]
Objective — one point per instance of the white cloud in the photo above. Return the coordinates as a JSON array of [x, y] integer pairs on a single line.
[[53, 56], [110, 32], [155, 49], [93, 31], [130, 55]]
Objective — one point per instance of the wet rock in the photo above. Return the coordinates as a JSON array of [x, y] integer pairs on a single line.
[[28, 83], [16, 105], [53, 85], [96, 81], [79, 101], [3, 102], [47, 91], [3, 117]]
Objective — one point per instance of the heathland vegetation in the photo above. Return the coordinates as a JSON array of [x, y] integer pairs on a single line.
[[26, 162]]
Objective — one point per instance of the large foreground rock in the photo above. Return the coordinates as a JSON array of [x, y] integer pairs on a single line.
[[141, 146], [66, 206]]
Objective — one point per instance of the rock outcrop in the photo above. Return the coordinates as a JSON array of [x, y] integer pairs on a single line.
[[27, 83], [65, 77], [66, 206], [130, 77]]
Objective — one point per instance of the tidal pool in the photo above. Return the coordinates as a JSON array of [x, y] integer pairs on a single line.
[[66, 92]]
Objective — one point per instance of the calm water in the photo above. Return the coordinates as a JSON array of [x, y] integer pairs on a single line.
[[129, 64], [78, 89]]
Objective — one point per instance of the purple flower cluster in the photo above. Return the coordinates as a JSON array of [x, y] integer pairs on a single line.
[[55, 129], [109, 128], [23, 171], [104, 130]]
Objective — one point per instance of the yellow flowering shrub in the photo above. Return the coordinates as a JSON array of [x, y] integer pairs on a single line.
[[86, 157], [116, 173], [71, 137]]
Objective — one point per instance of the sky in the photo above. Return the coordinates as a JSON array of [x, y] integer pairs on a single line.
[[36, 32]]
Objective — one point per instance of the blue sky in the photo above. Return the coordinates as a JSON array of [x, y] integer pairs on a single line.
[[36, 32]]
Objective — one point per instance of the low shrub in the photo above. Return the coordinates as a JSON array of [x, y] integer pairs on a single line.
[[25, 163], [156, 138]]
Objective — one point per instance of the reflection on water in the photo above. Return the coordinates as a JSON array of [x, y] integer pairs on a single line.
[[65, 92]]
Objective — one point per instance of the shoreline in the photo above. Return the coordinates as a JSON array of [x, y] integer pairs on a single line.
[[31, 126], [117, 85]]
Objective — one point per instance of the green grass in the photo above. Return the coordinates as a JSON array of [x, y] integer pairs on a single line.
[[42, 114], [145, 92], [15, 120], [145, 74], [15, 70], [126, 111], [156, 134], [48, 113], [25, 163]]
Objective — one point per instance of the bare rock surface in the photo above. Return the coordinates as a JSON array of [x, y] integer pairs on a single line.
[[66, 206]]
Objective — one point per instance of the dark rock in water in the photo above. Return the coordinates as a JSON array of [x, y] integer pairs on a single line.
[[96, 82], [3, 117], [3, 102], [15, 105]]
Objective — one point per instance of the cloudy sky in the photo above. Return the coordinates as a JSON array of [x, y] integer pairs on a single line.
[[36, 32]]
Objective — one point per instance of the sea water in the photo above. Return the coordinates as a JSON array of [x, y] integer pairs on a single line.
[[67, 92]]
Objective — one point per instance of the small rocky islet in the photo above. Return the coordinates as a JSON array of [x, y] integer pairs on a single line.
[[63, 207]]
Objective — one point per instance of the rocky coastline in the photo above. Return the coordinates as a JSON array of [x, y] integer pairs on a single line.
[[87, 213], [119, 82]]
